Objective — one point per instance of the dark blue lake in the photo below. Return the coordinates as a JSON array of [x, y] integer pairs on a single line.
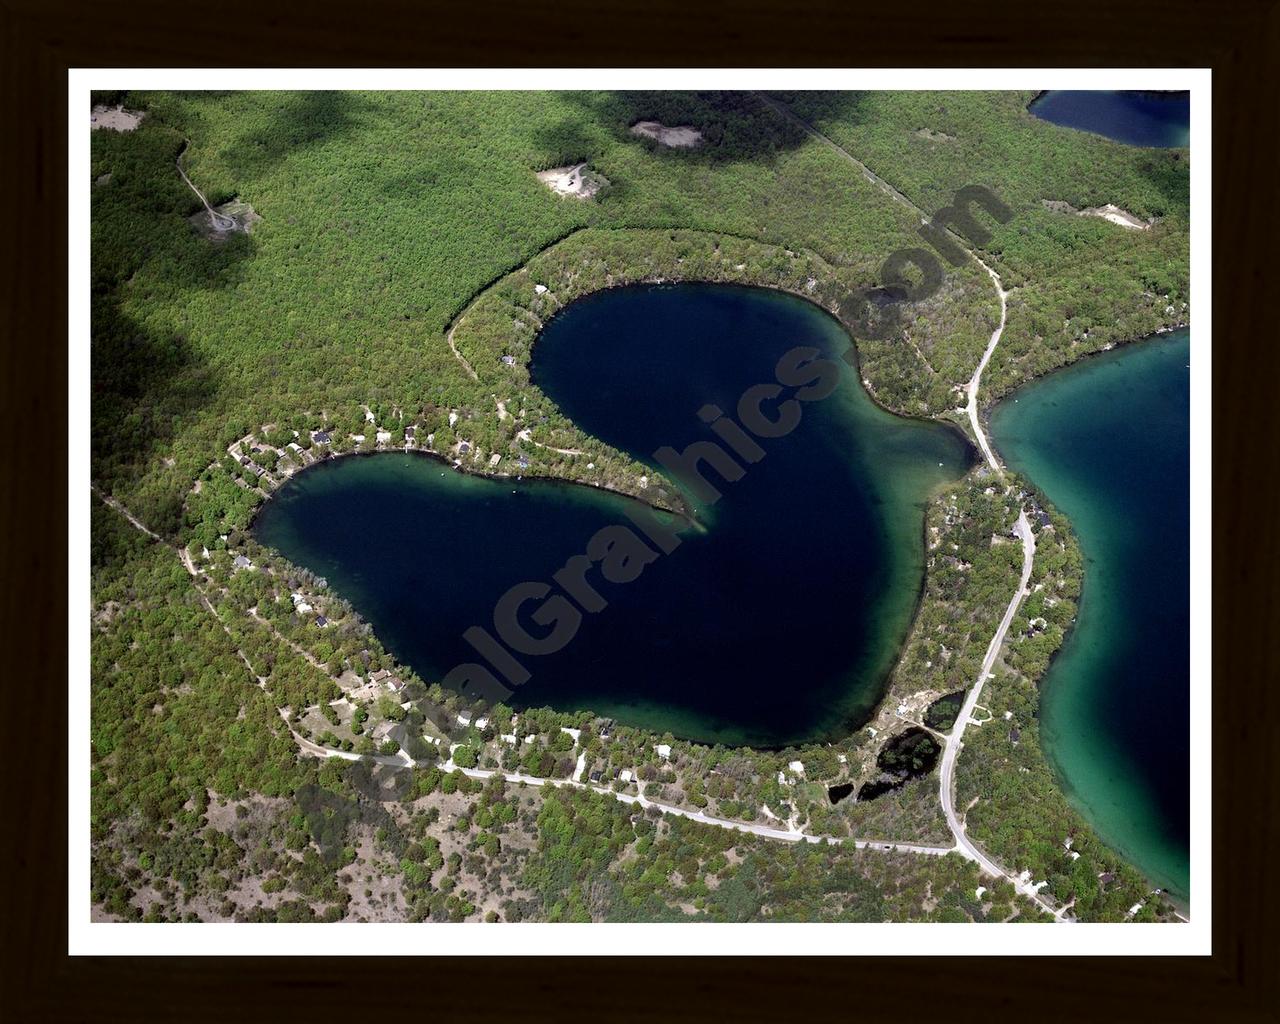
[[1138, 118], [775, 622]]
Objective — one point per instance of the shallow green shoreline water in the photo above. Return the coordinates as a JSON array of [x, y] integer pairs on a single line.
[[1107, 441]]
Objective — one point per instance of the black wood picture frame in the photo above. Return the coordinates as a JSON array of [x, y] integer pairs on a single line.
[[1238, 39]]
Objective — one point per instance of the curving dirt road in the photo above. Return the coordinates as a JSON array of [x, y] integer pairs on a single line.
[[220, 221], [402, 760], [955, 739], [972, 387], [953, 744]]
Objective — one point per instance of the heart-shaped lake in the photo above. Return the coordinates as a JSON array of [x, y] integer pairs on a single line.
[[776, 623]]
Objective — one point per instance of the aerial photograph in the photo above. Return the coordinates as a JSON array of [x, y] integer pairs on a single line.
[[618, 506]]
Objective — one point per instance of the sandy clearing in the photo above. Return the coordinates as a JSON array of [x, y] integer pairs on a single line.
[[682, 136], [932, 136], [1116, 215], [116, 118], [576, 181], [1110, 212], [217, 222]]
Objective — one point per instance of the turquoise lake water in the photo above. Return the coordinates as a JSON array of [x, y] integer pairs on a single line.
[[776, 623], [1107, 441]]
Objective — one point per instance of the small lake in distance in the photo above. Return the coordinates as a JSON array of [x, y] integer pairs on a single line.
[[1159, 119]]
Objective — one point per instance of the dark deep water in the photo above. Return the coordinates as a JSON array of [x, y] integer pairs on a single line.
[[1136, 118], [775, 624], [1108, 442]]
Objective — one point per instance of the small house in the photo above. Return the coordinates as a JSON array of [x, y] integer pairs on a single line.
[[321, 621], [320, 437], [664, 751], [509, 360], [242, 563]]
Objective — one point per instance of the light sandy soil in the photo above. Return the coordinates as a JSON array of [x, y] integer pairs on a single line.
[[1117, 216], [115, 118], [1110, 212], [576, 181], [932, 136], [682, 136], [230, 218]]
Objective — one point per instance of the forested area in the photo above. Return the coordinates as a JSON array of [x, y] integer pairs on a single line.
[[1078, 283], [383, 216], [397, 225]]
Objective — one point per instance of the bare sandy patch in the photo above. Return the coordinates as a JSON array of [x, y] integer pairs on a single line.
[[932, 136], [682, 136], [577, 181], [1109, 212], [219, 222], [1117, 216], [116, 118]]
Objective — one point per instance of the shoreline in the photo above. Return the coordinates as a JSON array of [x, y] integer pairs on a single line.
[[1045, 684]]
